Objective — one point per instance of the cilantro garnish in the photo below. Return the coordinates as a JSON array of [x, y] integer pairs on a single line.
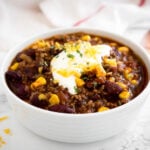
[[95, 84], [79, 53], [76, 89], [70, 55]]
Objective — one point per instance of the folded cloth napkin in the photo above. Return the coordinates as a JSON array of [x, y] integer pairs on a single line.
[[111, 15]]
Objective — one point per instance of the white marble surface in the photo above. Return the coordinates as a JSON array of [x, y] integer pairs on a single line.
[[136, 137]]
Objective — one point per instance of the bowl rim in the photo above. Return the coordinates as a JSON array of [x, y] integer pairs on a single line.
[[60, 31]]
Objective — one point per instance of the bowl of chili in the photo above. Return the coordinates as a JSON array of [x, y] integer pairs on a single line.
[[76, 85]]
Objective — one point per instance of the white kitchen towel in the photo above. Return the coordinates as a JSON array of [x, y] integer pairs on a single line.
[[21, 19], [113, 15]]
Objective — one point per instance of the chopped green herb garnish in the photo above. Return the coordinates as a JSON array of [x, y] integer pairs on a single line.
[[87, 63], [79, 53], [85, 78], [70, 55], [64, 50], [52, 47], [76, 89], [57, 56], [95, 84]]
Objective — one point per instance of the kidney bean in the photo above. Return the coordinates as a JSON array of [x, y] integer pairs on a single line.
[[112, 87], [13, 76], [111, 98], [39, 103], [30, 72], [20, 90], [95, 97], [31, 53], [61, 108]]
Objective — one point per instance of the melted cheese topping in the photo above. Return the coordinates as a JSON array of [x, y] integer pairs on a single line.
[[77, 58]]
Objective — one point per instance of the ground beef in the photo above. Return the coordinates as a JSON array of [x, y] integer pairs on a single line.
[[30, 77]]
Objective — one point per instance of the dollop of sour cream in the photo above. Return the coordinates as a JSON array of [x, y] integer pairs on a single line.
[[75, 59]]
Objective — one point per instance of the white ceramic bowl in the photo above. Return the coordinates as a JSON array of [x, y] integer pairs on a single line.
[[76, 128]]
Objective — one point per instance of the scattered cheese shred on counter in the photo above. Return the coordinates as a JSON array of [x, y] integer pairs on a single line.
[[7, 131], [3, 118], [2, 142]]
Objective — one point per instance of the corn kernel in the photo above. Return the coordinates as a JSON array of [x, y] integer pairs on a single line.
[[79, 82], [122, 85], [100, 71], [135, 82], [54, 99], [127, 70], [113, 44], [3, 118], [39, 82], [70, 47], [42, 97], [129, 76], [41, 44], [124, 95], [103, 108], [123, 49], [7, 131], [110, 62], [14, 66], [86, 38], [2, 142], [57, 45], [112, 79], [96, 38]]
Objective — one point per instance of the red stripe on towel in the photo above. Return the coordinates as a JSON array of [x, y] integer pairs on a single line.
[[141, 3], [89, 16]]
